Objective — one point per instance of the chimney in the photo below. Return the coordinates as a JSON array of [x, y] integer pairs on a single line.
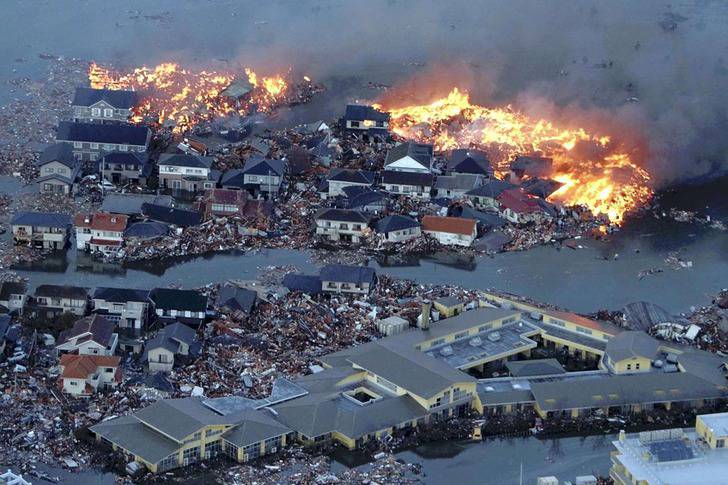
[[424, 320], [622, 435]]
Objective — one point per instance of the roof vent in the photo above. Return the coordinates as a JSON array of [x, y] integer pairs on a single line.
[[87, 220], [113, 219], [658, 363], [446, 351], [476, 341], [494, 336]]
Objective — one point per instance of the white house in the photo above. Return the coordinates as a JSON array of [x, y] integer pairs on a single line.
[[127, 307], [397, 228], [451, 231], [411, 184], [83, 375], [100, 232], [173, 340], [410, 157], [92, 335], [103, 105], [342, 225], [191, 173]]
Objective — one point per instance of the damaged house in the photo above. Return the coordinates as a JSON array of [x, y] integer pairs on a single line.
[[84, 375], [174, 340], [410, 157], [190, 173], [186, 306], [42, 230], [92, 335], [121, 168], [89, 140], [340, 178], [53, 300], [519, 207], [233, 299], [103, 105], [342, 278], [13, 295], [450, 231], [58, 170], [126, 307], [411, 184], [342, 225], [457, 185], [100, 232], [485, 196], [398, 228], [261, 175], [474, 162], [365, 120]]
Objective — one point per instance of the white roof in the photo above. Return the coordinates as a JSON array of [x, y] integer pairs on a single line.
[[718, 423]]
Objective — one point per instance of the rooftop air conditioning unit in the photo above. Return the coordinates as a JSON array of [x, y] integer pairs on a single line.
[[446, 350], [494, 336], [476, 341]]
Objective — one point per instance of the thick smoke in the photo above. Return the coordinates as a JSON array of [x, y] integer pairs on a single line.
[[644, 65]]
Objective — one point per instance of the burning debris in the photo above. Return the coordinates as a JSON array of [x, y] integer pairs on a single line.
[[172, 95], [593, 170]]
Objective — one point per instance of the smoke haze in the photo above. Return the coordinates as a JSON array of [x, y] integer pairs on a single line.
[[645, 66]]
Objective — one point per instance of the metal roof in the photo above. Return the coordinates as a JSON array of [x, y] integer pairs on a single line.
[[117, 98], [98, 133]]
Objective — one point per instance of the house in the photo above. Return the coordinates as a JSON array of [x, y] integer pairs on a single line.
[[519, 207], [56, 299], [83, 375], [233, 179], [263, 175], [131, 204], [223, 203], [450, 231], [186, 306], [146, 230], [13, 295], [449, 306], [486, 220], [171, 215], [369, 201], [466, 161], [173, 340], [541, 187], [407, 183], [58, 170], [676, 455], [92, 335], [191, 173], [5, 324], [339, 178], [91, 139], [234, 299], [530, 167], [128, 308], [457, 185], [121, 168], [397, 228], [485, 196], [341, 225], [410, 157], [305, 283], [365, 120], [171, 433], [342, 278], [100, 232], [40, 229], [103, 105]]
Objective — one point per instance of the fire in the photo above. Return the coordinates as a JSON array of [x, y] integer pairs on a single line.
[[604, 178], [185, 97]]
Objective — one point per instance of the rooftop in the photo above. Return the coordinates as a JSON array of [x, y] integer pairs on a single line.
[[452, 225], [98, 133], [119, 99], [41, 219]]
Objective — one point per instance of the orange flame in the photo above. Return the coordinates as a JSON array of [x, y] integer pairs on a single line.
[[610, 183], [184, 97]]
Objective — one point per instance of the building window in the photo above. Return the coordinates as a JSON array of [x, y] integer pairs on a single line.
[[169, 462], [108, 113], [231, 450], [273, 444], [252, 451], [213, 449], [637, 366], [191, 455], [720, 443], [94, 146], [354, 124], [629, 366], [584, 330], [95, 111]]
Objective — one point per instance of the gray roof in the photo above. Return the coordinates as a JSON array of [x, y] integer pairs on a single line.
[[310, 284], [170, 338], [183, 160], [344, 273], [630, 344], [364, 112], [179, 418], [120, 295], [41, 219], [61, 291], [132, 435], [8, 288], [449, 301], [117, 98], [420, 152], [617, 390], [175, 299], [257, 426], [491, 188], [343, 215], [147, 229], [459, 181], [98, 133], [536, 367], [407, 178], [59, 152], [352, 176], [236, 298], [396, 223], [99, 327], [262, 166], [131, 204], [468, 161]]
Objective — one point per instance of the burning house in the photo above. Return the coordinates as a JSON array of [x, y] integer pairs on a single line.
[[365, 120]]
